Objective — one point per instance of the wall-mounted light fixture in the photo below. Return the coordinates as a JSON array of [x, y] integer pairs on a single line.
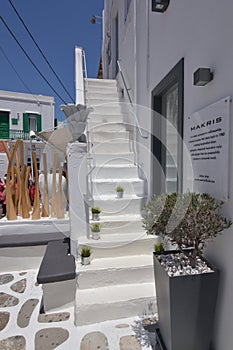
[[202, 76], [94, 19], [160, 5]]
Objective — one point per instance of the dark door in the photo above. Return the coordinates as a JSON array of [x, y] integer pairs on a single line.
[[4, 125], [167, 128]]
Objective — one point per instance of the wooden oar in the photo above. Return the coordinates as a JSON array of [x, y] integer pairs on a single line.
[[11, 212], [45, 203], [54, 183], [60, 209], [36, 206]]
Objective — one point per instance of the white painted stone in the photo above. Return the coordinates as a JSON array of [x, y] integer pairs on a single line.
[[77, 170], [21, 258], [114, 271], [112, 302], [107, 186], [58, 295]]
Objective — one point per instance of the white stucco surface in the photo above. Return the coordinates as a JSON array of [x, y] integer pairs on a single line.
[[150, 45]]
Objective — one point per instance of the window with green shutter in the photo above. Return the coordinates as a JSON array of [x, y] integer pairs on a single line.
[[28, 122], [25, 122], [4, 125], [38, 122]]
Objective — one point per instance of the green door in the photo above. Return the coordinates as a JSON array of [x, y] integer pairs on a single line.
[[4, 125]]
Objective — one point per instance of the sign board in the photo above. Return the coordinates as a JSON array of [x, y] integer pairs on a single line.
[[208, 144]]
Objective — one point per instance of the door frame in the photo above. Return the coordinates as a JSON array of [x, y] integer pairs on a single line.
[[175, 76]]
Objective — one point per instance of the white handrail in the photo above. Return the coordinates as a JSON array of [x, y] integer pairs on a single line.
[[131, 103], [90, 150]]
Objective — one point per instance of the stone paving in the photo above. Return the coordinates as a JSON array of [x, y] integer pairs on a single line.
[[22, 327]]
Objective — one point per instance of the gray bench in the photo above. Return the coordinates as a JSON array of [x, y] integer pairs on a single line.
[[57, 265], [57, 274]]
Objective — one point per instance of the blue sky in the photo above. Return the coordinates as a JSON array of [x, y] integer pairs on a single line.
[[57, 26]]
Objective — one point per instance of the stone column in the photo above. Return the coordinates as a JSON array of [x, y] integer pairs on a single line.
[[77, 185]]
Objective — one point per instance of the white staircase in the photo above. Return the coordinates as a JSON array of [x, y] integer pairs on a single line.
[[119, 282]]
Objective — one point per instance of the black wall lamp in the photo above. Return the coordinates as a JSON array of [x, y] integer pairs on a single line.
[[202, 76], [96, 19], [160, 5]]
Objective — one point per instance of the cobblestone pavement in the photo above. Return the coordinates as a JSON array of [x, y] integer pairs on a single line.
[[23, 328]]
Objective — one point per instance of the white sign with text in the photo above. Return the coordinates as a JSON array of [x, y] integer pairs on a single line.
[[208, 144]]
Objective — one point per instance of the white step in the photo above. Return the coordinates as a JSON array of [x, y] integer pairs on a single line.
[[120, 146], [111, 205], [126, 171], [107, 186], [106, 118], [120, 224], [117, 270], [105, 136], [102, 99], [115, 245], [114, 158], [97, 93], [101, 82], [107, 108], [113, 302], [99, 126]]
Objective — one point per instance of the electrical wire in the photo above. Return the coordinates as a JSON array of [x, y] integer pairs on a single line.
[[14, 69], [43, 55], [29, 58]]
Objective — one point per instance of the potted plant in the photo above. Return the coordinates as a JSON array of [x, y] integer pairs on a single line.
[[95, 229], [85, 255], [186, 284], [119, 191], [95, 213]]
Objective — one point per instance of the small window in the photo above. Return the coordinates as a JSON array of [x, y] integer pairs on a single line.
[[14, 121]]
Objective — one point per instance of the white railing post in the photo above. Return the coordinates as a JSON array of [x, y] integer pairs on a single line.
[[79, 82]]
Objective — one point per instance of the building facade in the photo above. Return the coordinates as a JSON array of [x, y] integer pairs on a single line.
[[20, 114], [177, 69]]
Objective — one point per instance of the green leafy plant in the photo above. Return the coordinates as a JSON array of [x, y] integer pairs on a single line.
[[85, 252], [95, 227], [119, 189], [188, 220], [159, 248], [95, 210]]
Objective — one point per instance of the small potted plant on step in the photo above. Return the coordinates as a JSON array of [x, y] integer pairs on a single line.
[[119, 191], [95, 213], [186, 284], [85, 255], [95, 229]]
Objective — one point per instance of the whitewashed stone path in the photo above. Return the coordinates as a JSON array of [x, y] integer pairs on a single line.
[[23, 328]]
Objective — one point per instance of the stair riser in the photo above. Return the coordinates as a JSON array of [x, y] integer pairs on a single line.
[[98, 83], [107, 108], [101, 99], [108, 127], [119, 227], [89, 314], [112, 147], [108, 188], [112, 159], [100, 136], [115, 172], [120, 206], [106, 118], [110, 249], [122, 228], [110, 277]]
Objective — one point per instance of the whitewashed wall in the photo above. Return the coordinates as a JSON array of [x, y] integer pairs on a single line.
[[201, 33]]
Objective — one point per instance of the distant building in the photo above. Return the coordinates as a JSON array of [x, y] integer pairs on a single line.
[[21, 113]]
